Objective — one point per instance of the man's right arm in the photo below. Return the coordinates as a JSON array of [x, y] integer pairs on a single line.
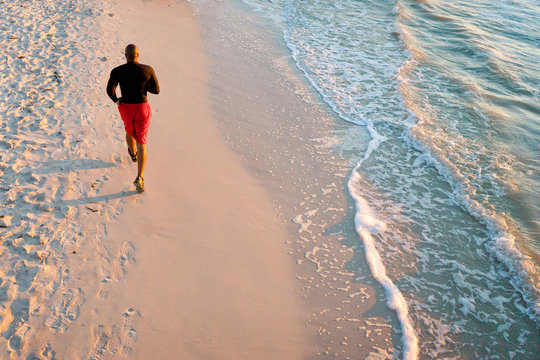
[[111, 86]]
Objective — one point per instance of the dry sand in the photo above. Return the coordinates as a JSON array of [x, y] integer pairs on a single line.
[[211, 278]]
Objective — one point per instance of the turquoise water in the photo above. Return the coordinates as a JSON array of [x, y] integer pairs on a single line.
[[448, 203]]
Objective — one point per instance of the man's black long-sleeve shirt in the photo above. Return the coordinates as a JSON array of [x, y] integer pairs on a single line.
[[135, 81]]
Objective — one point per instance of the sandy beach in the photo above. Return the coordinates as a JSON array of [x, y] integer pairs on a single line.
[[235, 251]]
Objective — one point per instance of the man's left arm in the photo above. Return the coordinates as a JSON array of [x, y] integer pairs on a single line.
[[153, 85]]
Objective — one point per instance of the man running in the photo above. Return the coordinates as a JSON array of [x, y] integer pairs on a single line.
[[135, 81]]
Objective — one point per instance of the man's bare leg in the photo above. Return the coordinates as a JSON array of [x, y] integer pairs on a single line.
[[141, 161], [141, 158], [131, 143]]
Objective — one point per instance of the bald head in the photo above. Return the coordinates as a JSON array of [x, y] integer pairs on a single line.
[[132, 53]]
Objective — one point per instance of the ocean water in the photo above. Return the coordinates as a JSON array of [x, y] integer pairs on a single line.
[[447, 193]]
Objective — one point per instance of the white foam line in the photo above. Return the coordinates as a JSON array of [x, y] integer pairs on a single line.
[[366, 223]]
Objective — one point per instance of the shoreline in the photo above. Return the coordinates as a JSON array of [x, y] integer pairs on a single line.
[[287, 137]]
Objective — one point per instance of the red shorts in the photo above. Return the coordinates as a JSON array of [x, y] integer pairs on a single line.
[[136, 120]]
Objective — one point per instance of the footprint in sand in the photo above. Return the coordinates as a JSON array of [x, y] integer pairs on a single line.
[[47, 352], [129, 333], [67, 312], [15, 342], [129, 342], [25, 275], [116, 342], [125, 255], [99, 351], [129, 318], [74, 307], [104, 288], [123, 258], [121, 340]]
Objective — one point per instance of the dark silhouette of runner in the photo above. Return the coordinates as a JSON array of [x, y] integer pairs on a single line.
[[135, 81]]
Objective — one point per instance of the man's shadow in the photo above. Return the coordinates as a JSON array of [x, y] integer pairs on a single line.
[[64, 166], [99, 198], [69, 165]]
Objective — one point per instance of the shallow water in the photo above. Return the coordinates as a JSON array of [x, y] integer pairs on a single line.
[[449, 93]]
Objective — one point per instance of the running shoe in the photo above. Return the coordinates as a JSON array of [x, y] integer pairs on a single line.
[[133, 156], [139, 184]]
